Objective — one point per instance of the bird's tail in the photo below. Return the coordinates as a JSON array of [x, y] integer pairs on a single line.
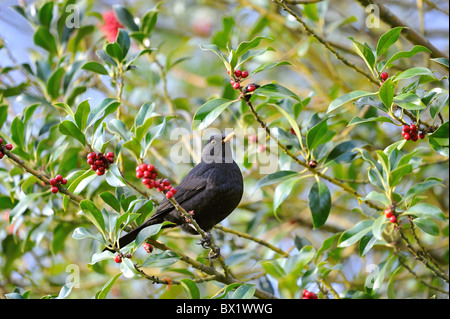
[[128, 238]]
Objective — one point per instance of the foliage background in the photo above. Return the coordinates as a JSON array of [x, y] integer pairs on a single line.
[[179, 77]]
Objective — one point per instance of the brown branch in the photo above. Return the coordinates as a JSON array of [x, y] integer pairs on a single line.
[[75, 198], [413, 36]]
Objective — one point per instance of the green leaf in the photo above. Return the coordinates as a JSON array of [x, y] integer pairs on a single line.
[[357, 120], [347, 98], [406, 54], [276, 90], [378, 227], [95, 67], [375, 196], [46, 14], [111, 200], [190, 288], [70, 129], [113, 177], [147, 232], [397, 174], [245, 291], [386, 93], [81, 115], [409, 101], [442, 61], [248, 45], [352, 235], [318, 134], [387, 40], [365, 52], [117, 126], [420, 188], [54, 83], [45, 40], [424, 210], [208, 112], [123, 39], [66, 108], [102, 294], [319, 201], [128, 270], [270, 65], [439, 140], [125, 17], [273, 268], [114, 51], [343, 152], [18, 132], [105, 57], [105, 107], [164, 259], [84, 233], [214, 48], [93, 214], [427, 225], [412, 73], [274, 178], [282, 192]]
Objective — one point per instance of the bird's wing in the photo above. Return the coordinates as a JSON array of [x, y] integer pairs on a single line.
[[193, 184]]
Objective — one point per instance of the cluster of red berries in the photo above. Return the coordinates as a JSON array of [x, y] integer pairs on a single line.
[[58, 180], [390, 214], [309, 295], [239, 75], [7, 147], [411, 132], [99, 162], [384, 76], [148, 173]]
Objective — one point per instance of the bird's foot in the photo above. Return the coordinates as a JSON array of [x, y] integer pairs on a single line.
[[214, 255], [206, 242]]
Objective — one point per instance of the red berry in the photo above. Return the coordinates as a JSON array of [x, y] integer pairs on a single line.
[[8, 147], [393, 219], [169, 194], [139, 174], [406, 129], [244, 74], [312, 164], [174, 191], [91, 161], [151, 168], [421, 135], [146, 181], [414, 137], [166, 182], [94, 167], [236, 85], [407, 136], [118, 259], [64, 181], [384, 76], [251, 88], [59, 178], [99, 172], [1, 141], [389, 213], [237, 73], [1, 155], [148, 248], [413, 128], [143, 167], [110, 154], [54, 189], [53, 181]]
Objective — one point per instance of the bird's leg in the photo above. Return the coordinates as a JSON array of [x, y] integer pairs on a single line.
[[213, 255], [206, 242]]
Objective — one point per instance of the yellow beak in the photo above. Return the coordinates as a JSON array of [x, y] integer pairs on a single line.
[[228, 137]]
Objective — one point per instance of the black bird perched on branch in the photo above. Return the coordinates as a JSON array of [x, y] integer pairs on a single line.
[[212, 190]]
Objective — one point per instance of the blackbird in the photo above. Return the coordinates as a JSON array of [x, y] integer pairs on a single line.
[[212, 190]]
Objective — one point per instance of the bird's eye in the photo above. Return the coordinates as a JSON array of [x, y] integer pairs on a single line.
[[213, 142]]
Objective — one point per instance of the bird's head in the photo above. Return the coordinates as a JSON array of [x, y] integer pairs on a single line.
[[218, 149]]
